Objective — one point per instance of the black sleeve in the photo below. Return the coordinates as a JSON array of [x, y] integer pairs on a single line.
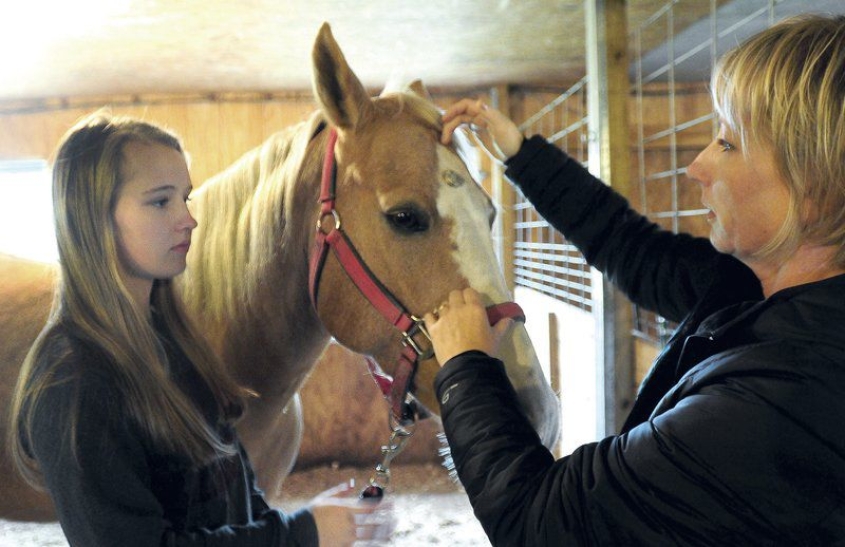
[[272, 527], [695, 475], [101, 484], [655, 268]]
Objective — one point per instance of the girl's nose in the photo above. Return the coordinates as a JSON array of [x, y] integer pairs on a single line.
[[188, 221]]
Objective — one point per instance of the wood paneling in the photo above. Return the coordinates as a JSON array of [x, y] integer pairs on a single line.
[[215, 131]]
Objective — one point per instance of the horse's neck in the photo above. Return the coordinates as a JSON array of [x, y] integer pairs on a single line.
[[272, 337], [274, 344]]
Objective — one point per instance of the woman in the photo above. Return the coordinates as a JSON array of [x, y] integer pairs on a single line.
[[736, 437], [122, 411]]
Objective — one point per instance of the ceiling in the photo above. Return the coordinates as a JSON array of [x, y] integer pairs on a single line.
[[97, 47]]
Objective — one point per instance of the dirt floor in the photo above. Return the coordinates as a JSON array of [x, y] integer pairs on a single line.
[[431, 508]]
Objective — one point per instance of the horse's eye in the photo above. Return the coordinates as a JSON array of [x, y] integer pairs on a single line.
[[407, 220]]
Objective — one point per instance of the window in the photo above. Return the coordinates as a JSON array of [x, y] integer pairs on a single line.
[[26, 210]]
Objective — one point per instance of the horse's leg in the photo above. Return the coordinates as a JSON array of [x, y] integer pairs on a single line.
[[19, 501], [272, 440], [25, 297]]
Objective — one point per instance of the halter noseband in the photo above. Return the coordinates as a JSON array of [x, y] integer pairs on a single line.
[[397, 389]]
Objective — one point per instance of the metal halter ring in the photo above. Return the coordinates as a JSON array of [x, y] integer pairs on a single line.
[[333, 213]]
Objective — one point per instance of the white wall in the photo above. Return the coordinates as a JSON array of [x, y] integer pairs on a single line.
[[564, 338]]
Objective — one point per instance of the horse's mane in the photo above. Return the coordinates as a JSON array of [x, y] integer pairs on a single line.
[[243, 211]]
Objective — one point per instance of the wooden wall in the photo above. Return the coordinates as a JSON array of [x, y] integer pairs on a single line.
[[216, 130]]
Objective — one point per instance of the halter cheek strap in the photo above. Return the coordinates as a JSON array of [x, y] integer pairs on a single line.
[[398, 388]]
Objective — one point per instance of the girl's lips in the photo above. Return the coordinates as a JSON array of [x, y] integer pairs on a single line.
[[182, 247]]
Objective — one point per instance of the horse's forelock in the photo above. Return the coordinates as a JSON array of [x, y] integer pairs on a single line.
[[419, 108], [431, 117]]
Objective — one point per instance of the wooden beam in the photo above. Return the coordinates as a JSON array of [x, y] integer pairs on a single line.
[[609, 159]]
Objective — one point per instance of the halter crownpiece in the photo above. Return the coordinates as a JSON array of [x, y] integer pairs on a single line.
[[397, 390]]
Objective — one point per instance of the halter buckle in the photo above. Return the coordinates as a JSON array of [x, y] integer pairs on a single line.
[[418, 327]]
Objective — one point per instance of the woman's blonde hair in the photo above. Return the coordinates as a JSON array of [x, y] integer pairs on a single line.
[[93, 302], [784, 89]]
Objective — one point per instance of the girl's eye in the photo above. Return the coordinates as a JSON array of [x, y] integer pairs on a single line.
[[160, 203]]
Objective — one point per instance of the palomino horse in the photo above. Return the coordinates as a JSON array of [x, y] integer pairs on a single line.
[[417, 223]]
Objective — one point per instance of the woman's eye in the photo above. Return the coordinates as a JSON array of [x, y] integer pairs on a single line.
[[725, 145], [160, 203], [407, 220]]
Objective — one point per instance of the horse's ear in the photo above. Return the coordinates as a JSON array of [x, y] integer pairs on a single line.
[[338, 91], [419, 88]]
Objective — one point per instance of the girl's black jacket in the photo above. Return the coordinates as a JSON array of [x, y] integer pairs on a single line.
[[112, 488], [737, 436]]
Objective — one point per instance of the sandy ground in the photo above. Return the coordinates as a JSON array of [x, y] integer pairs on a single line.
[[431, 508]]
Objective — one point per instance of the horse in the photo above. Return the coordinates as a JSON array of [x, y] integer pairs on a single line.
[[270, 301]]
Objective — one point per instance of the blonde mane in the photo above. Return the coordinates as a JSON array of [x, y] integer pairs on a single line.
[[242, 213]]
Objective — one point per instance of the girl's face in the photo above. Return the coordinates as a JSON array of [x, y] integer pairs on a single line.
[[746, 197], [153, 225]]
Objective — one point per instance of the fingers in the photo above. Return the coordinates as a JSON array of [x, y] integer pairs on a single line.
[[471, 107], [342, 490], [461, 324], [376, 526], [499, 135], [471, 296], [456, 298], [465, 111], [430, 318], [501, 328], [344, 520]]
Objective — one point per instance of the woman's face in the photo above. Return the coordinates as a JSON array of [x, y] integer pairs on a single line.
[[746, 197], [151, 215]]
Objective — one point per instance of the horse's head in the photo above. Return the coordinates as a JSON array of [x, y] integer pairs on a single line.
[[419, 224]]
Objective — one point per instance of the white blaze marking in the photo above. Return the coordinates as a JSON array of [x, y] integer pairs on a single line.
[[467, 207]]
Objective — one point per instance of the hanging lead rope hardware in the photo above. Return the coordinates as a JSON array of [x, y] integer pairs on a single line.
[[399, 436]]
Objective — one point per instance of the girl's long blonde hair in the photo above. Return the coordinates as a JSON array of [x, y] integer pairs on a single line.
[[92, 302]]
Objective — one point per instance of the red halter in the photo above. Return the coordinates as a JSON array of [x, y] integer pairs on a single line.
[[397, 389]]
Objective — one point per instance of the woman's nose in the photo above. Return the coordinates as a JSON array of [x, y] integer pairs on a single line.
[[697, 170]]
